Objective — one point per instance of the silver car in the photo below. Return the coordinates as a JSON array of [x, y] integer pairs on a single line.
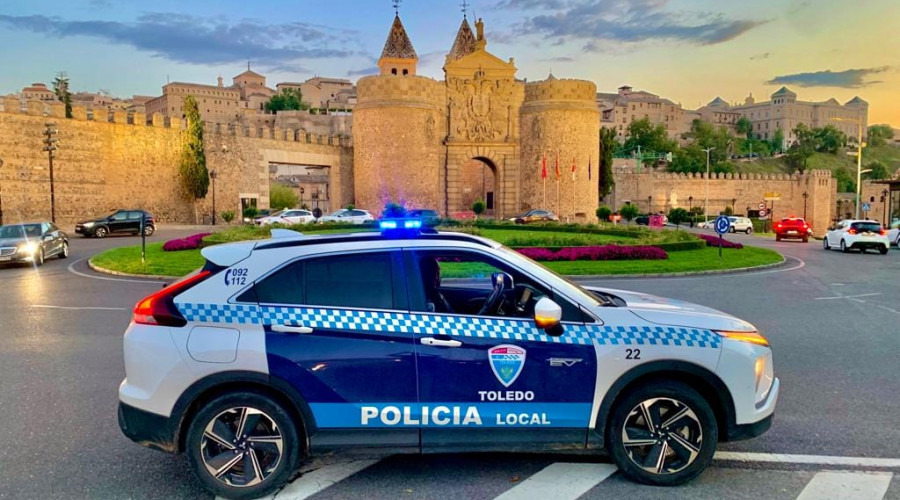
[[32, 242]]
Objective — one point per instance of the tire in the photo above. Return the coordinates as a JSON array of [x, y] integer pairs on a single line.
[[732, 230], [64, 253], [149, 230], [275, 465], [749, 230], [825, 244], [101, 232], [777, 238], [844, 247], [39, 261], [698, 430], [883, 250], [805, 240]]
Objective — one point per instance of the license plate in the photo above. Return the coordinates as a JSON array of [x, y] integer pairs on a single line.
[[5, 259], [792, 232]]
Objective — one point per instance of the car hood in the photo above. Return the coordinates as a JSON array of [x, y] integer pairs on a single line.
[[672, 312], [95, 221], [13, 242]]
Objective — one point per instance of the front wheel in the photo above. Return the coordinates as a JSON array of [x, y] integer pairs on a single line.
[[39, 257], [662, 434], [883, 250], [749, 230], [101, 232], [243, 445], [64, 253]]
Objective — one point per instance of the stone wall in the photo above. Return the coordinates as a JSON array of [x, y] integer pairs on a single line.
[[127, 161]]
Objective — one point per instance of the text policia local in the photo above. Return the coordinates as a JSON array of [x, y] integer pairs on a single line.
[[453, 415]]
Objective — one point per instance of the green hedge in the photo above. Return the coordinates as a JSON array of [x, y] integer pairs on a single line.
[[630, 232]]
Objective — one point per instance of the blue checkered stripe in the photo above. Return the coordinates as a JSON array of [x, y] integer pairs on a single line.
[[402, 324]]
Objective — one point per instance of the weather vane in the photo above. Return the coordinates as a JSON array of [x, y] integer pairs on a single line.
[[465, 7], [397, 6]]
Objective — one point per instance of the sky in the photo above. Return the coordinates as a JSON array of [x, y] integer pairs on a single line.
[[689, 51]]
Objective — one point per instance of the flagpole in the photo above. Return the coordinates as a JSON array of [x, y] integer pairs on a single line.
[[558, 208], [544, 177], [573, 189]]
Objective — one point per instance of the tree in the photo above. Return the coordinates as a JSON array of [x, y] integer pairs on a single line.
[[61, 89], [479, 207], [678, 215], [393, 210], [282, 196], [846, 182], [778, 140], [608, 146], [288, 99], [798, 155], [878, 170], [628, 211], [830, 139], [603, 213], [688, 159], [192, 166], [648, 137], [744, 127], [879, 135]]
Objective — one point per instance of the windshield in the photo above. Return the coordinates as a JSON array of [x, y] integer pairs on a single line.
[[20, 231], [561, 283], [335, 214]]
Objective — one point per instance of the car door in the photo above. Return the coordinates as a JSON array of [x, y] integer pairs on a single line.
[[289, 217], [118, 222], [337, 330], [489, 381]]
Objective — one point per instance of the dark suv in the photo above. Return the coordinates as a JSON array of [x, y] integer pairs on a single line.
[[120, 221]]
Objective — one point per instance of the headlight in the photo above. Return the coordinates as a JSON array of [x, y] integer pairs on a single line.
[[88, 224], [28, 248], [751, 337]]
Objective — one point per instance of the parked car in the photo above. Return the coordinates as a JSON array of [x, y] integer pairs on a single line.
[[295, 216], [120, 221], [857, 234], [33, 242], [894, 234], [535, 215], [792, 228], [427, 216], [642, 220], [741, 225], [287, 348], [354, 216]]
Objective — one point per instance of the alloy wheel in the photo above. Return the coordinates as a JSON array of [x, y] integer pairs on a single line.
[[100, 232], [662, 436], [241, 447], [65, 251]]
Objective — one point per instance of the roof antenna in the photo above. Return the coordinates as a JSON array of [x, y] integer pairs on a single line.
[[396, 7], [465, 8]]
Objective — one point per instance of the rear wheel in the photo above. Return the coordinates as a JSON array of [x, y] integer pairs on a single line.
[[825, 244], [64, 253], [777, 238], [749, 230], [883, 250], [805, 240], [844, 247], [243, 445], [663, 434], [148, 230]]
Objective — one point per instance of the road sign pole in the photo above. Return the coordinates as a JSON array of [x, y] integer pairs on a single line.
[[143, 241], [720, 248]]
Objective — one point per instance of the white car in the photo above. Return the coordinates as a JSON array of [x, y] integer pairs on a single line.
[[894, 234], [857, 234], [741, 225], [282, 349], [288, 217], [353, 216]]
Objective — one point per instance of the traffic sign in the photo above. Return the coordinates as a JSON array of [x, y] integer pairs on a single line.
[[866, 207], [761, 206], [772, 197], [723, 224], [763, 213]]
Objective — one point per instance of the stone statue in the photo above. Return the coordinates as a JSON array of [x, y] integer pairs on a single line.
[[479, 28]]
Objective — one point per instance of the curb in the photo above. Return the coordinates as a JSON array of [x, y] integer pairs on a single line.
[[102, 270], [712, 272]]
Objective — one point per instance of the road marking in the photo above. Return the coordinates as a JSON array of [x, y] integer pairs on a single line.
[[71, 269], [80, 308], [560, 480], [854, 298], [779, 458], [889, 309], [313, 482], [832, 485]]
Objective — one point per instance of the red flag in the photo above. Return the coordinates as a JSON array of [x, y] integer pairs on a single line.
[[589, 168], [573, 168], [557, 165], [543, 166]]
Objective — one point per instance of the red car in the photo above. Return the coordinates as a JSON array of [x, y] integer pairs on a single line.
[[792, 227]]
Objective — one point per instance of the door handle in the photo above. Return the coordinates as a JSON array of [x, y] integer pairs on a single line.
[[431, 341], [291, 329]]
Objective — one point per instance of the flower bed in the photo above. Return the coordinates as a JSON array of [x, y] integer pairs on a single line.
[[713, 241], [604, 252], [192, 242]]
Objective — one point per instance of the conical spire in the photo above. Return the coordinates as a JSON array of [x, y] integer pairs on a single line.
[[464, 43], [398, 45]]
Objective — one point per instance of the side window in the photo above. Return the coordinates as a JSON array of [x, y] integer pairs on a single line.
[[120, 215], [134, 215], [357, 213], [45, 228], [285, 286], [53, 228], [357, 280]]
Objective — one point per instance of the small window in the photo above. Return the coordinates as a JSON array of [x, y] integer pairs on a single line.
[[393, 71], [405, 72], [120, 215], [134, 215], [359, 280]]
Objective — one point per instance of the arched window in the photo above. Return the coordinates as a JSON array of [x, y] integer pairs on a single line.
[[405, 72], [393, 71]]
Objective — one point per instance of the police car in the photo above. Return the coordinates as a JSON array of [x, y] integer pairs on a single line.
[[413, 341]]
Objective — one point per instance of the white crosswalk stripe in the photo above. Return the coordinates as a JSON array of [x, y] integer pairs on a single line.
[[835, 485], [315, 481], [560, 481]]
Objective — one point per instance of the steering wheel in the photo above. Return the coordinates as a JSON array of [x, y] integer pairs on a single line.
[[492, 302]]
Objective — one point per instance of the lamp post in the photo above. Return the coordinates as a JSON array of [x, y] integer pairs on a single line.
[[884, 203], [805, 196], [650, 204], [859, 147], [212, 176], [706, 210], [1, 198], [50, 146]]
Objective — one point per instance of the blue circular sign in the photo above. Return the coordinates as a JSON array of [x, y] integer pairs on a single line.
[[723, 224]]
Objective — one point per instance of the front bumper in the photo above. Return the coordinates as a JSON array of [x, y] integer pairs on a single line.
[[147, 429]]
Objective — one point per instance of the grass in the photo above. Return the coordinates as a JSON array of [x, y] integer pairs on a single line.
[[889, 155], [519, 238], [158, 263], [678, 262]]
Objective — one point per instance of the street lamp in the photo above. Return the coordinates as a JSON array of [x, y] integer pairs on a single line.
[[859, 147], [1, 198], [884, 203], [50, 146], [212, 176], [706, 210], [805, 196], [649, 204]]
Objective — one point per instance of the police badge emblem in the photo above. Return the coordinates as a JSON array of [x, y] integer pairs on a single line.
[[507, 362]]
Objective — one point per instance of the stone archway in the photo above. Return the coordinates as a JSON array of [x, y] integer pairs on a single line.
[[478, 181], [475, 172]]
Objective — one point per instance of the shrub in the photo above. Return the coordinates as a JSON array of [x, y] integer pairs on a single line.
[[192, 242], [282, 196], [628, 212], [227, 216], [713, 241], [479, 207], [603, 213], [604, 252], [393, 210], [250, 212], [678, 216], [350, 206]]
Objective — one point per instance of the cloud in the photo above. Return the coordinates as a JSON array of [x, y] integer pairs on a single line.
[[202, 40], [531, 4], [559, 59], [628, 21], [850, 79], [374, 70], [758, 57]]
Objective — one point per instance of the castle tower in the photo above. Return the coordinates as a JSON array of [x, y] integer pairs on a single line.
[[560, 119], [398, 125], [398, 57]]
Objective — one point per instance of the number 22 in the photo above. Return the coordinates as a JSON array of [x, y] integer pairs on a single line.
[[632, 354]]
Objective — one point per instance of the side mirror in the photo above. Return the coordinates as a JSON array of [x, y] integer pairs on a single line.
[[547, 315]]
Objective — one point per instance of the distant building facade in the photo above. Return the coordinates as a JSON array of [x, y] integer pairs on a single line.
[[618, 110], [218, 103], [38, 92], [325, 93]]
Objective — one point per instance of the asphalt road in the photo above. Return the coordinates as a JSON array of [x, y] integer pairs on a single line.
[[832, 320]]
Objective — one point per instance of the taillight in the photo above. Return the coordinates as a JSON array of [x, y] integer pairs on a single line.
[[881, 232], [159, 308], [851, 231]]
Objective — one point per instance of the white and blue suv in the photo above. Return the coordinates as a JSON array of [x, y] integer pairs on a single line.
[[413, 341]]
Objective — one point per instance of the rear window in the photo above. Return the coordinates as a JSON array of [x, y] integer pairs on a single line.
[[792, 222], [862, 227]]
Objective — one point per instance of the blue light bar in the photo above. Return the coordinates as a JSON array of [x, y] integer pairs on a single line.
[[397, 226], [412, 224], [387, 224]]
